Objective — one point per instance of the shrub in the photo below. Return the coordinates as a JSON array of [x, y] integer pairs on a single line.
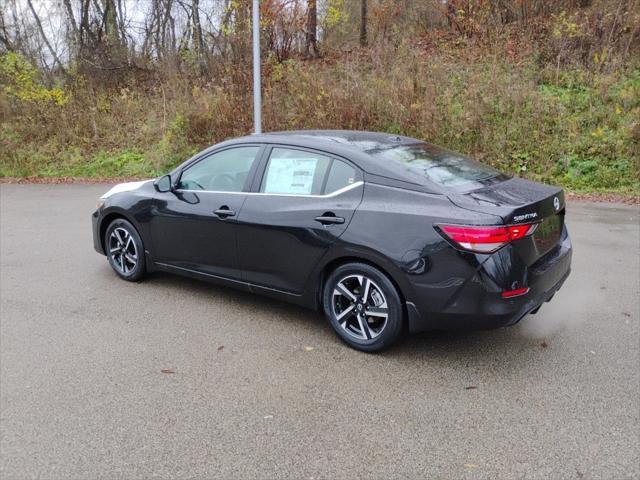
[[20, 80]]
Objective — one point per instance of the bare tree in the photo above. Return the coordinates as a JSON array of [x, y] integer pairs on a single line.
[[84, 30], [311, 46], [4, 34], [198, 39], [363, 23], [111, 23], [75, 32], [54, 55]]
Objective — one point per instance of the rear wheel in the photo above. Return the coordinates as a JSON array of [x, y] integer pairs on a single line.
[[125, 250], [363, 306]]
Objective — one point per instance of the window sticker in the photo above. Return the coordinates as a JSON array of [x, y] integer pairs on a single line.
[[291, 175]]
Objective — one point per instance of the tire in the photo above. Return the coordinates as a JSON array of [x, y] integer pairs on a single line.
[[129, 266], [358, 321]]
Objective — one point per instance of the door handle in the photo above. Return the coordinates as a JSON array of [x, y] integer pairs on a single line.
[[329, 219], [224, 212]]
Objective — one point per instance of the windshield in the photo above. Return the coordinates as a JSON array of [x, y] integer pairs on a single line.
[[440, 166]]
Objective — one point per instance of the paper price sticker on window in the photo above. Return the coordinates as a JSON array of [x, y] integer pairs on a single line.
[[291, 175]]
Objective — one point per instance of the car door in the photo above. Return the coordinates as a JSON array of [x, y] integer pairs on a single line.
[[194, 227], [305, 201]]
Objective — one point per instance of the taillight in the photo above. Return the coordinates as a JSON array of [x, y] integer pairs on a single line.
[[485, 239], [515, 293]]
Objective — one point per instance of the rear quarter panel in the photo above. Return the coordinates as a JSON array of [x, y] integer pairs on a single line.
[[393, 228]]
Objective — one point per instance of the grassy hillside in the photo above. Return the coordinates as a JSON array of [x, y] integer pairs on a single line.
[[510, 102]]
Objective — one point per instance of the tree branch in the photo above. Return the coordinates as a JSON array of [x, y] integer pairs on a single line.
[[44, 37]]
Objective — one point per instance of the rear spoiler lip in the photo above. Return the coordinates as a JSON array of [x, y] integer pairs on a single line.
[[512, 214]]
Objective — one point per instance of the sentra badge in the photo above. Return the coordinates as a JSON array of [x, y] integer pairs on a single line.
[[526, 216]]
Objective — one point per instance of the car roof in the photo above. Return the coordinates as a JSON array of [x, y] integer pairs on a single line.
[[356, 146], [353, 140], [359, 140]]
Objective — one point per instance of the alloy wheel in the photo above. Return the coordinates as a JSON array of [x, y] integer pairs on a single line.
[[123, 250], [360, 307]]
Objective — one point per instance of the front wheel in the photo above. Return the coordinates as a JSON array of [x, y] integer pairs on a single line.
[[363, 306], [125, 250]]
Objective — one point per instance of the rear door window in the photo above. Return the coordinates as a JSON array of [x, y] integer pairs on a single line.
[[295, 172]]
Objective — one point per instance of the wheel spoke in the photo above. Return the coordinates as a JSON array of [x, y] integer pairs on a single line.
[[377, 312], [364, 327], [118, 237], [132, 258], [342, 290], [345, 314], [129, 238], [114, 250], [366, 286]]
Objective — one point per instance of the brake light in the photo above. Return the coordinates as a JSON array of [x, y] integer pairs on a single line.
[[485, 239]]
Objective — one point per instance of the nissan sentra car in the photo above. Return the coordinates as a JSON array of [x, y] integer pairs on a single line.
[[381, 233]]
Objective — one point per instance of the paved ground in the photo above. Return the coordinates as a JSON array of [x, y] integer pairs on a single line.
[[264, 389]]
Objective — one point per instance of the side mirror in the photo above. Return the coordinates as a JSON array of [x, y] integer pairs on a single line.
[[163, 184]]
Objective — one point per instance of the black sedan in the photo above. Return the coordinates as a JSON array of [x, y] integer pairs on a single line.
[[379, 232]]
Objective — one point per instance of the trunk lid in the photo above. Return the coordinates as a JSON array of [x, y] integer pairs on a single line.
[[519, 201]]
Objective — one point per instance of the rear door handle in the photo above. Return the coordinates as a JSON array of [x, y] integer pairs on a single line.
[[224, 212], [329, 219]]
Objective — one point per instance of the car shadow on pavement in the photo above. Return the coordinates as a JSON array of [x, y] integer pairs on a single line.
[[239, 298], [451, 347]]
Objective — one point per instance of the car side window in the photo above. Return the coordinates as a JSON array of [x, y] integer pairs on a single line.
[[341, 175], [224, 171], [295, 172]]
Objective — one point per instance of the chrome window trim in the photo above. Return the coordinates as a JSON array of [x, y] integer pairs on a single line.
[[328, 195]]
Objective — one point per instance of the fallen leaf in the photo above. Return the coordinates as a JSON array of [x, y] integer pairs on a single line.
[[220, 348], [470, 465], [267, 417], [167, 370], [544, 344], [308, 348], [470, 387]]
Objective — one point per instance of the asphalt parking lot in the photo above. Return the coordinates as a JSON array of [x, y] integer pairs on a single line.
[[254, 388]]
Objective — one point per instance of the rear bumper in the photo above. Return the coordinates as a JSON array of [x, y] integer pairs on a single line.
[[477, 304]]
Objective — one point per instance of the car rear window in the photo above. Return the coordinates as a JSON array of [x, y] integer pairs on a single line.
[[440, 166]]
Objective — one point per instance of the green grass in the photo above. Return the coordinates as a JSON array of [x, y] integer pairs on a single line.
[[69, 163]]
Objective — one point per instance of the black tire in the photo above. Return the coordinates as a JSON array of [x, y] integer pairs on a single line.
[[119, 232], [358, 321]]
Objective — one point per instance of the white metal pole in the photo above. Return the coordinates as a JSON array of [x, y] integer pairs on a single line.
[[257, 93]]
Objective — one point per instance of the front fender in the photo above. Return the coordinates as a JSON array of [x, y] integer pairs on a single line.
[[136, 209]]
